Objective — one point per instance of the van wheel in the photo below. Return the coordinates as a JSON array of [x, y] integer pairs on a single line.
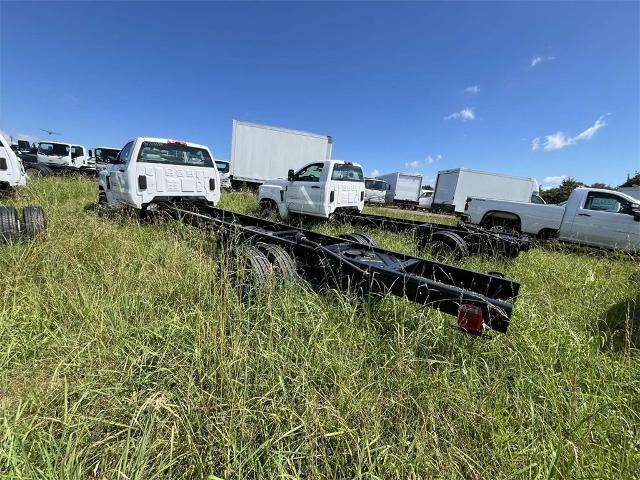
[[448, 244], [280, 259], [361, 238], [34, 221], [9, 225]]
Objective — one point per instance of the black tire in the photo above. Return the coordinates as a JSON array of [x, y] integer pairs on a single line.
[[268, 207], [448, 244], [252, 269], [38, 171], [102, 199], [9, 225], [281, 261], [34, 221], [361, 238]]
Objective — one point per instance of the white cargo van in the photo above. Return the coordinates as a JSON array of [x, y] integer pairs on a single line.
[[12, 172], [402, 187], [262, 152], [375, 190], [453, 187]]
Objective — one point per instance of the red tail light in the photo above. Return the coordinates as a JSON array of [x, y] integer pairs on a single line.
[[470, 318], [177, 142]]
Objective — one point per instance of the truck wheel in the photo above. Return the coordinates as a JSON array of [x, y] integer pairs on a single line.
[[361, 238], [448, 244], [34, 221], [9, 225], [282, 262], [102, 199], [252, 269], [268, 207]]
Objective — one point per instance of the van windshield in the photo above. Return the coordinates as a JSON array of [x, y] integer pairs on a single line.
[[347, 172], [375, 184], [53, 149], [174, 154], [223, 167]]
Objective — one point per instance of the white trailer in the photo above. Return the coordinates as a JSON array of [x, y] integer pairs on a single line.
[[261, 152], [402, 187], [453, 187]]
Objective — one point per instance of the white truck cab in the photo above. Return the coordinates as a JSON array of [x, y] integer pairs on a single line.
[[99, 156], [12, 172], [318, 189], [375, 190], [225, 177], [152, 170], [62, 155]]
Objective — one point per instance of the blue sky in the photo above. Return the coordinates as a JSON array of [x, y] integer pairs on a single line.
[[527, 88]]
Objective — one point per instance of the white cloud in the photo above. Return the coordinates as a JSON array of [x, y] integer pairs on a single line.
[[553, 181], [375, 172], [537, 59], [560, 140], [472, 89], [429, 160], [414, 164], [466, 114]]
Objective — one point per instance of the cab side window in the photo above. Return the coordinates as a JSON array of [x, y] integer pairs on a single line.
[[606, 202], [310, 173], [125, 153]]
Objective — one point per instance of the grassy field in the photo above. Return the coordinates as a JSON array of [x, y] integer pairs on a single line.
[[126, 354]]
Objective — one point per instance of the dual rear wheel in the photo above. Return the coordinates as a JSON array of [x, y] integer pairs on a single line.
[[13, 228]]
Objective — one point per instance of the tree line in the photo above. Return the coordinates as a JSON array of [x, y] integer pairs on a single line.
[[561, 192]]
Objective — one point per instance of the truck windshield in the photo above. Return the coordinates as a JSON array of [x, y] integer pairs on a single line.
[[223, 167], [347, 172], [174, 154], [53, 149], [104, 154], [375, 185]]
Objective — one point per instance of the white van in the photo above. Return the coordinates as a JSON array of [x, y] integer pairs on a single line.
[[12, 172]]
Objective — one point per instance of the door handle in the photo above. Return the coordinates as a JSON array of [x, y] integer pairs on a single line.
[[315, 186], [584, 215]]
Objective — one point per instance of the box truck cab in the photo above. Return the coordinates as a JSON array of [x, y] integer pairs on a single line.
[[62, 155], [223, 170], [375, 190], [319, 189], [454, 186], [12, 172], [149, 170]]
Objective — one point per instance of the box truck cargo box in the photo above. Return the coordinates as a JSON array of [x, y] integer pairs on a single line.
[[402, 187], [453, 187], [262, 152]]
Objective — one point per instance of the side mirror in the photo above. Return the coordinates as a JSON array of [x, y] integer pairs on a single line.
[[290, 175], [90, 153], [635, 211], [113, 160]]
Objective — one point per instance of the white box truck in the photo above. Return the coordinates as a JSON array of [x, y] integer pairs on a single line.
[[262, 152], [453, 187], [402, 187], [631, 191]]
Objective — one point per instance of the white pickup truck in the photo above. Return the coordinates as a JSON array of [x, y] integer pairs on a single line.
[[596, 217], [148, 171], [319, 189]]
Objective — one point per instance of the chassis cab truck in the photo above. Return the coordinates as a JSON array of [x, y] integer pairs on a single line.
[[57, 155], [148, 171], [319, 189], [12, 172]]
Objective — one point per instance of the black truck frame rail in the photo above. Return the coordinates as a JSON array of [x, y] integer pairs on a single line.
[[479, 300], [478, 240]]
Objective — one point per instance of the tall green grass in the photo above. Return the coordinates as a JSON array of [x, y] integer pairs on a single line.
[[126, 353]]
